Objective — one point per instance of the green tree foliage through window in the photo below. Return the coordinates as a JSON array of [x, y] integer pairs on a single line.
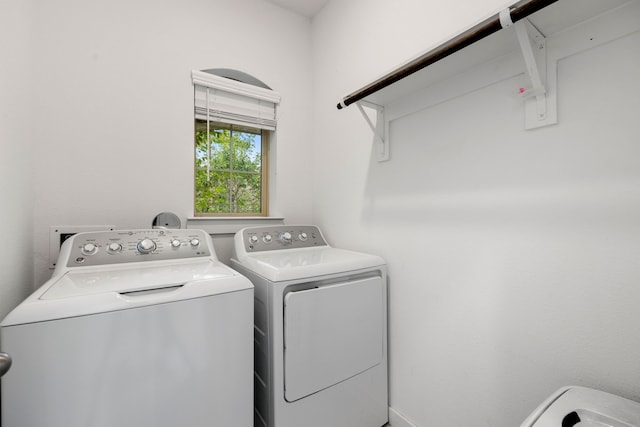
[[229, 169]]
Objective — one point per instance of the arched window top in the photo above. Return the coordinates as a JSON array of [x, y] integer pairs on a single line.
[[237, 75]]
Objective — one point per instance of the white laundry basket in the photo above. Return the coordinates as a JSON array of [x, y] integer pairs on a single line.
[[584, 407]]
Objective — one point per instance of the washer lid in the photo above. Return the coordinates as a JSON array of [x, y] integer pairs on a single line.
[[585, 407], [125, 280], [101, 290], [292, 264]]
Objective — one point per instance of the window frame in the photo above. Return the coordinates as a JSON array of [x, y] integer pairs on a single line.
[[265, 136], [234, 98]]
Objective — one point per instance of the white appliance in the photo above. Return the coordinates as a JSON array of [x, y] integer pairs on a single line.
[[140, 328], [584, 407], [320, 329]]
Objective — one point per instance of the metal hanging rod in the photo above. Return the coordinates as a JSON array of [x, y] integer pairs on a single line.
[[472, 35]]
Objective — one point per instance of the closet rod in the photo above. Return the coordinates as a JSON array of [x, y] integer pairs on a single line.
[[472, 35]]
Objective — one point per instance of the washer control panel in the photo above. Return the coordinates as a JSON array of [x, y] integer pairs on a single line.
[[278, 237], [122, 246]]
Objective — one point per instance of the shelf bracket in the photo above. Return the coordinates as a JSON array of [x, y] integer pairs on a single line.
[[536, 63], [534, 51], [381, 140]]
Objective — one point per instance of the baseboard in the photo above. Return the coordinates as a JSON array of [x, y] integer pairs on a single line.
[[396, 419]]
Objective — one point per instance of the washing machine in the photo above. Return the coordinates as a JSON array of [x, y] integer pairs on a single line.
[[137, 328], [320, 329]]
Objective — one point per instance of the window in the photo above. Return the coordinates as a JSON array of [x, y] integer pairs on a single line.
[[230, 176], [233, 124]]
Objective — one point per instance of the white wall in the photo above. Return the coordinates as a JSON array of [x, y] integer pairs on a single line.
[[16, 139], [114, 144], [513, 254]]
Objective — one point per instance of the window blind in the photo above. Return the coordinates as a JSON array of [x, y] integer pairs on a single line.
[[229, 101]]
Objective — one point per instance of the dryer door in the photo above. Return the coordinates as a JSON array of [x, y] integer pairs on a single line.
[[331, 333]]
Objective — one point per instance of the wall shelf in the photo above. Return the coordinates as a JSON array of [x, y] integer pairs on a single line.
[[505, 45]]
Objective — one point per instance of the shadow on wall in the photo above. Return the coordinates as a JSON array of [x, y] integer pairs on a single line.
[[512, 253], [469, 160]]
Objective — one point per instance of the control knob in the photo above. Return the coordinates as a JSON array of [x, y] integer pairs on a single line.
[[303, 236], [253, 239], [194, 242], [175, 243], [285, 237], [267, 238], [146, 246], [89, 249], [114, 247]]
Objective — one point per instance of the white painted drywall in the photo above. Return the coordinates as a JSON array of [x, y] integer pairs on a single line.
[[16, 154], [513, 255], [113, 82]]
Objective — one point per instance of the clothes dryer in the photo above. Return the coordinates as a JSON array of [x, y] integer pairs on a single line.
[[140, 328], [320, 329]]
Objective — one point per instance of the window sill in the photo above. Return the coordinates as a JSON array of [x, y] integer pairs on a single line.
[[230, 225]]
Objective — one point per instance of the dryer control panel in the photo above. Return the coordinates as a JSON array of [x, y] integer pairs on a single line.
[[123, 246], [257, 239]]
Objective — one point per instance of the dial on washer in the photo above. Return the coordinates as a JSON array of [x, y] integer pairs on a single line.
[[146, 246]]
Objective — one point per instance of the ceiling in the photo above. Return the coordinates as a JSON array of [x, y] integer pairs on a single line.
[[306, 8]]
